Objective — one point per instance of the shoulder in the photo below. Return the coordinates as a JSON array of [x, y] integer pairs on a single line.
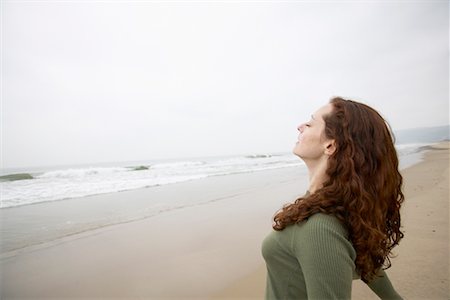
[[324, 223], [322, 230]]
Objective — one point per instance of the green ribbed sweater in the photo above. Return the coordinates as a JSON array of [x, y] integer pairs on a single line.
[[315, 260]]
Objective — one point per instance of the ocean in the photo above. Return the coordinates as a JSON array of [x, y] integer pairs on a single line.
[[74, 182], [33, 187]]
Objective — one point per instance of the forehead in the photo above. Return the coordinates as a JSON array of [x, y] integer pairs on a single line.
[[324, 110]]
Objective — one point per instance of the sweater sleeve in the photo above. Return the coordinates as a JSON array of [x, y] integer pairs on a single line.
[[326, 258], [383, 288]]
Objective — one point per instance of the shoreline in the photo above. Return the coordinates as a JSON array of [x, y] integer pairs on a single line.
[[48, 222]]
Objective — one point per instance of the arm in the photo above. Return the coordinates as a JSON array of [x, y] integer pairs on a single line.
[[326, 258], [382, 286]]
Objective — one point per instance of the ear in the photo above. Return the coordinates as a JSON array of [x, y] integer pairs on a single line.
[[330, 147]]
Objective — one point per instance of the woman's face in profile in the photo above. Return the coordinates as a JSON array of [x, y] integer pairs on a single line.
[[311, 142]]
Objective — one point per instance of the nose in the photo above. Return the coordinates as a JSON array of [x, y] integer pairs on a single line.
[[301, 127]]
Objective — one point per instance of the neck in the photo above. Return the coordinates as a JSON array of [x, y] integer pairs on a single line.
[[317, 174]]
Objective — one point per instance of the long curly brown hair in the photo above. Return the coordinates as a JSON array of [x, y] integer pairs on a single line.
[[363, 189]]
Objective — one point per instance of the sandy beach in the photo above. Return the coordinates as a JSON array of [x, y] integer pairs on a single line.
[[212, 250]]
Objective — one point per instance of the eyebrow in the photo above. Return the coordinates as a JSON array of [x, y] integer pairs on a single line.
[[312, 117]]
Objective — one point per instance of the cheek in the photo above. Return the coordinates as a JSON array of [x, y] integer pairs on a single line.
[[310, 139], [307, 138]]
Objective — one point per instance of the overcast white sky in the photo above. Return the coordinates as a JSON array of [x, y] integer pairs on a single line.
[[86, 82]]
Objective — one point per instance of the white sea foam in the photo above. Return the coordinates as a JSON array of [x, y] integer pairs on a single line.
[[406, 149], [79, 182], [79, 173]]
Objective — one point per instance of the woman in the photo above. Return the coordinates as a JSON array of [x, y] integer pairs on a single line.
[[347, 223]]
